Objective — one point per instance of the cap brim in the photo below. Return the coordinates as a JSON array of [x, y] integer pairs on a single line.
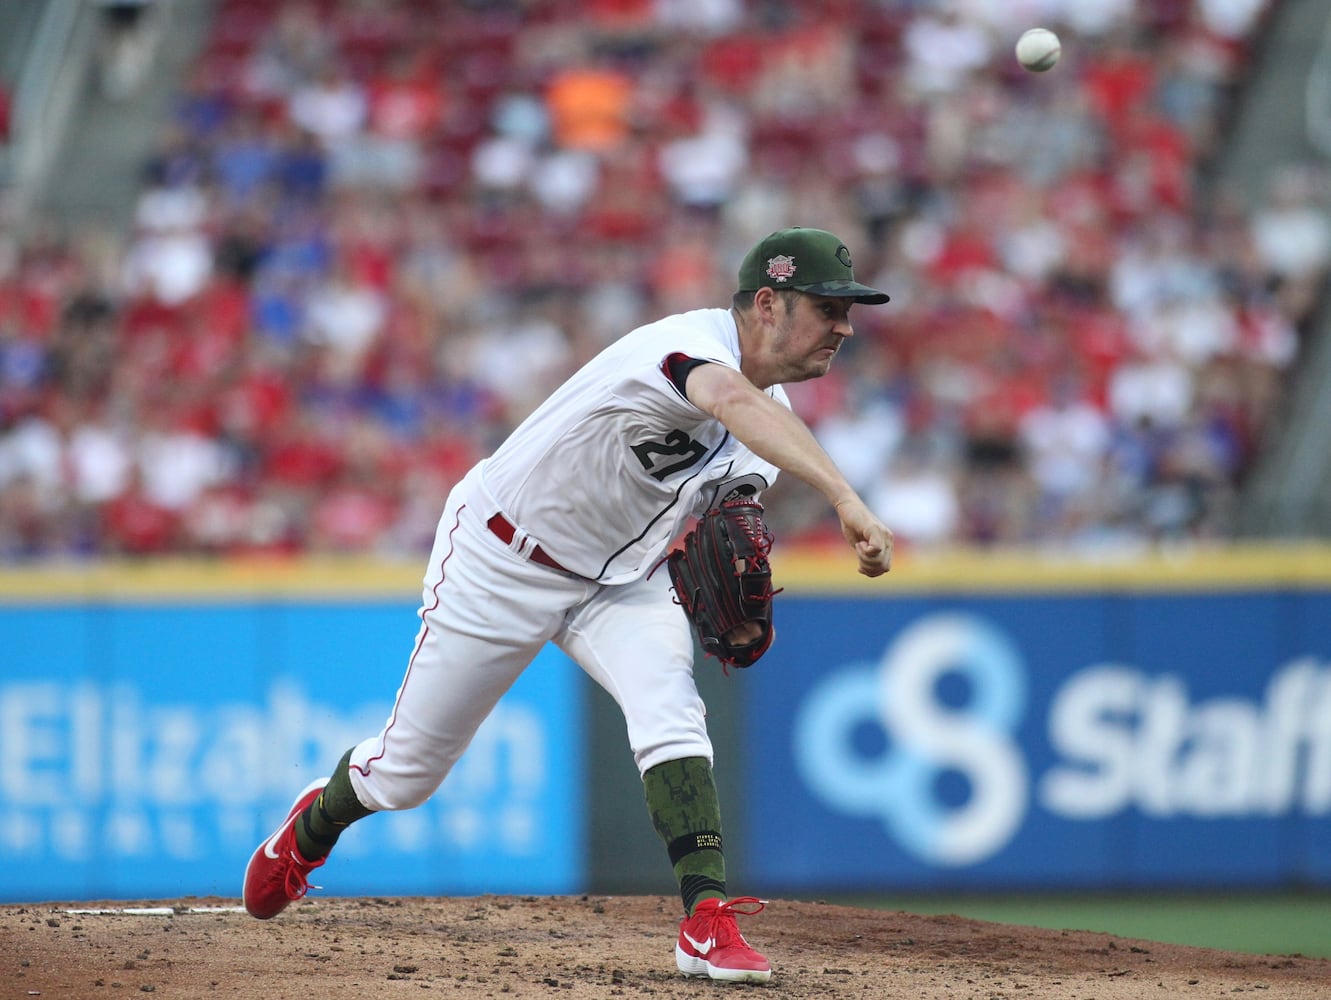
[[847, 290]]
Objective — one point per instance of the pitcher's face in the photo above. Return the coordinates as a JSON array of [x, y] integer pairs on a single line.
[[809, 331]]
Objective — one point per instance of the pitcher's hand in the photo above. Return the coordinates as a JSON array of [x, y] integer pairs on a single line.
[[869, 537]]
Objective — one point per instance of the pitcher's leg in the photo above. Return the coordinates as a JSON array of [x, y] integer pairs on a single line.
[[486, 614], [686, 814], [452, 684], [321, 823], [633, 640]]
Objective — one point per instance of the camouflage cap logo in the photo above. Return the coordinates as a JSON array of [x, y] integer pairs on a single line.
[[781, 267]]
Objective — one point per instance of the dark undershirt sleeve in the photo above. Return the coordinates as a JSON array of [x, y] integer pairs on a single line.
[[676, 367]]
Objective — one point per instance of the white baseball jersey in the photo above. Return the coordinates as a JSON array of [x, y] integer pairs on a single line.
[[601, 478], [608, 470]]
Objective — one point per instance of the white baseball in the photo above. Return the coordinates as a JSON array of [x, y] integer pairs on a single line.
[[1038, 49]]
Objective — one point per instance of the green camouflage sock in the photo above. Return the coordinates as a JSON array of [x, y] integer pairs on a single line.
[[686, 812], [336, 808]]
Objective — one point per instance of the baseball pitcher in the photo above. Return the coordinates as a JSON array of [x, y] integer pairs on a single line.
[[668, 436]]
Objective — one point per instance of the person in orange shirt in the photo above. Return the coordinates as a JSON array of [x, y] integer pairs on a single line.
[[589, 107]]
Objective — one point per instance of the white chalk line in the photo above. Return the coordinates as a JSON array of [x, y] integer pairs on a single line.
[[153, 911]]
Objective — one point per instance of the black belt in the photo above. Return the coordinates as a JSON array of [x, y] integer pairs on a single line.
[[505, 531]]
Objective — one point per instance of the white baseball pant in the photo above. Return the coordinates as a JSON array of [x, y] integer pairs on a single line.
[[487, 610]]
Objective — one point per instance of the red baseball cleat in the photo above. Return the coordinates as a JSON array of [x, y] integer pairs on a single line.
[[277, 874], [711, 945]]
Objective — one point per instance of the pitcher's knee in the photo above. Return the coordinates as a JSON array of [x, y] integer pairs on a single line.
[[648, 757], [393, 792]]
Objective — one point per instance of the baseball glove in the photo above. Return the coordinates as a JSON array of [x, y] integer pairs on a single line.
[[723, 581]]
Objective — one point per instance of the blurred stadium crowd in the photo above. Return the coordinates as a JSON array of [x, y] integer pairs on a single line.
[[377, 232]]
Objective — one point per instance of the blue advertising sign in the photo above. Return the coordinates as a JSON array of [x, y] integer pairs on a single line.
[[1050, 740], [149, 747]]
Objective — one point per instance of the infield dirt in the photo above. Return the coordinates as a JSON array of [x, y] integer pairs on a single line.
[[592, 946]]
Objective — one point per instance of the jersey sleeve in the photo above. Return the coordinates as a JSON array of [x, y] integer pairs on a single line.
[[658, 358], [676, 368]]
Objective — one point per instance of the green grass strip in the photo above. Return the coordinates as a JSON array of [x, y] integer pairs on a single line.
[[1259, 923]]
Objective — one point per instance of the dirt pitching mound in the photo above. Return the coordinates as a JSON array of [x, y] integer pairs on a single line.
[[590, 946]]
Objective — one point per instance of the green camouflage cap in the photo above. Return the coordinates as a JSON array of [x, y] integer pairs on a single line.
[[806, 260]]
